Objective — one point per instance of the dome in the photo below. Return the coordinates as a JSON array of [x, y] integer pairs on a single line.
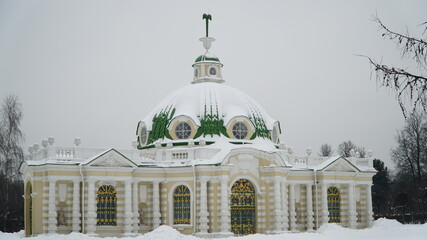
[[206, 110], [207, 57]]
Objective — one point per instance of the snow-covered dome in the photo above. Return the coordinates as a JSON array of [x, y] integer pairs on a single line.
[[207, 57], [207, 110]]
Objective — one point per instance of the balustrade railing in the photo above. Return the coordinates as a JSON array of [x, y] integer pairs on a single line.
[[64, 152]]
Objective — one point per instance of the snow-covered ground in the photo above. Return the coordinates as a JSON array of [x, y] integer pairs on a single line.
[[382, 229]]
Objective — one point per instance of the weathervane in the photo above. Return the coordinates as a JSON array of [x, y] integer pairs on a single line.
[[207, 41], [207, 17]]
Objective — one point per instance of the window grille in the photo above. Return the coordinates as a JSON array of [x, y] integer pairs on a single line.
[[106, 213], [181, 205], [334, 205]]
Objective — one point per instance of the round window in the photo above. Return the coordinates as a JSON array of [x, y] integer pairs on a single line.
[[183, 130], [212, 71], [196, 72], [143, 135], [240, 131]]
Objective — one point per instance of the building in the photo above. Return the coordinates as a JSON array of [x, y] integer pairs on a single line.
[[207, 161]]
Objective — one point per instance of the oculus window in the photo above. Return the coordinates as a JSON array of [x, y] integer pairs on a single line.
[[212, 71], [183, 130], [240, 130]]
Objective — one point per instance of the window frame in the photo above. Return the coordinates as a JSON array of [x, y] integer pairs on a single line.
[[105, 211], [171, 205], [334, 204]]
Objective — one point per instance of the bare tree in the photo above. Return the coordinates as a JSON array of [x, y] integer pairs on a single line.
[[325, 150], [410, 155], [344, 149], [11, 154], [361, 151], [408, 85]]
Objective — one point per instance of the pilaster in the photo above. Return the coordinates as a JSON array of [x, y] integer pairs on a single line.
[[52, 207], [277, 205], [76, 206], [370, 218], [204, 220], [135, 208], [91, 211], [292, 213], [325, 212], [225, 208], [156, 205], [285, 213], [128, 209], [351, 207], [310, 213]]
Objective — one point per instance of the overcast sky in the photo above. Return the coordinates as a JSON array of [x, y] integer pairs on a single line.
[[93, 69]]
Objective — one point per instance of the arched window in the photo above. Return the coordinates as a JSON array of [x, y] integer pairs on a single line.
[[181, 205], [106, 213], [334, 205]]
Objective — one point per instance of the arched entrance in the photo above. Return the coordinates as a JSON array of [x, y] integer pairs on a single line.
[[242, 202], [28, 209]]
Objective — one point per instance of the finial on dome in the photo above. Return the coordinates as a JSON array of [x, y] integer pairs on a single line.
[[207, 41], [207, 17], [207, 67]]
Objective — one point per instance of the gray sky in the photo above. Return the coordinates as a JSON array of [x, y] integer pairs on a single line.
[[93, 69]]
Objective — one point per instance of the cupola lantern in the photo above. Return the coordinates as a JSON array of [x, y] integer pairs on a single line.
[[207, 67]]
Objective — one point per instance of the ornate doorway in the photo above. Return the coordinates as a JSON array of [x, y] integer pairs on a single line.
[[242, 202]]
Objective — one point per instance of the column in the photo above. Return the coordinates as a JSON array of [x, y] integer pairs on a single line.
[[156, 205], [285, 213], [76, 206], [369, 205], [277, 205], [128, 208], [310, 213], [204, 220], [135, 204], [52, 207], [324, 210], [351, 207], [91, 211], [292, 213], [225, 212]]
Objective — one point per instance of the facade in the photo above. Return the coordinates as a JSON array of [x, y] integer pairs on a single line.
[[208, 161]]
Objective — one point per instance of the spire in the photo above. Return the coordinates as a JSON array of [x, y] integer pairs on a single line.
[[207, 67]]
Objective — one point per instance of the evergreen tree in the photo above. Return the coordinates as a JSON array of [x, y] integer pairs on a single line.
[[381, 190]]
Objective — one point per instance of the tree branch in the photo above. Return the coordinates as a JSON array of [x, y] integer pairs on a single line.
[[404, 83], [410, 46]]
